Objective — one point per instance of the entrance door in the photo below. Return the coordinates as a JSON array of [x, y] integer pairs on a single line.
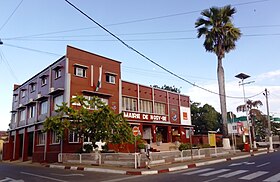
[[30, 143], [20, 145]]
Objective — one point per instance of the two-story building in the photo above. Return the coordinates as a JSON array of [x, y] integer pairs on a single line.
[[83, 73]]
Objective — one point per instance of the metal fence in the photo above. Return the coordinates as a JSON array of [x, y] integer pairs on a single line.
[[140, 159]]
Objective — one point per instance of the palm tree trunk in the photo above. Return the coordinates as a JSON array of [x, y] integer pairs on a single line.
[[222, 92]]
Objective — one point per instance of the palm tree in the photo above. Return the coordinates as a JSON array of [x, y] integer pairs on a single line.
[[251, 107], [220, 37]]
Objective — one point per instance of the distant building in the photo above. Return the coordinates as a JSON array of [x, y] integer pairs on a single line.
[[83, 73]]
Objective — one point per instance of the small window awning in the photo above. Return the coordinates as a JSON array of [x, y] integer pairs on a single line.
[[43, 97], [81, 66], [111, 73], [31, 102], [96, 93], [57, 67], [43, 76], [56, 91]]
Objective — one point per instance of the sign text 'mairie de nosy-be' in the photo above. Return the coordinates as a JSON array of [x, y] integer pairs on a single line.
[[143, 116]]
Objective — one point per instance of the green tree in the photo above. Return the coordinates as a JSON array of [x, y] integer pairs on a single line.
[[220, 37], [169, 88], [205, 118], [90, 118], [254, 114]]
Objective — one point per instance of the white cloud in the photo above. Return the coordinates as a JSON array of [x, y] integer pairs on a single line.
[[272, 75], [253, 91]]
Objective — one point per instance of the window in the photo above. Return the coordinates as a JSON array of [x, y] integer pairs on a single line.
[[129, 104], [32, 110], [159, 108], [22, 115], [41, 138], [146, 106], [44, 107], [110, 78], [57, 73], [58, 101], [23, 93], [14, 117], [80, 71], [105, 101], [32, 87], [43, 81], [15, 98], [54, 138], [73, 137]]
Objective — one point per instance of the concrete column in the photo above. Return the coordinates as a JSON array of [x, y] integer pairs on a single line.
[[169, 134], [25, 145], [154, 132], [16, 146]]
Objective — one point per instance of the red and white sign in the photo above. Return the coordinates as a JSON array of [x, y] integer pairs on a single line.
[[185, 113], [144, 116], [135, 131]]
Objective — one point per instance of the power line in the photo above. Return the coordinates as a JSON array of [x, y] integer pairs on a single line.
[[34, 50], [8, 65], [142, 55], [135, 40], [11, 15], [134, 21]]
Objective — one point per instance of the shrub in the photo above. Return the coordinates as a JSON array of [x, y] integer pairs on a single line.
[[184, 146], [219, 143], [88, 148], [240, 146], [141, 146]]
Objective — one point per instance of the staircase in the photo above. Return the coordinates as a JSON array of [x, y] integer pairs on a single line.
[[164, 147]]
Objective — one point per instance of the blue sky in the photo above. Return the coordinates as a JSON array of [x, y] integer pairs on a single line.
[[161, 30]]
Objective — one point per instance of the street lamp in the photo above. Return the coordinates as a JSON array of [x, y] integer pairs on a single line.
[[243, 76]]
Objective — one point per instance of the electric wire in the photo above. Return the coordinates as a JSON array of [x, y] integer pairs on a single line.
[[145, 57], [11, 15], [135, 40], [133, 21], [4, 59], [30, 49]]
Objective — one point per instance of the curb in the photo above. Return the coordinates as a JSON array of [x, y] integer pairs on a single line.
[[151, 172]]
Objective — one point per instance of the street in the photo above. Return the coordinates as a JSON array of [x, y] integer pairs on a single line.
[[30, 173], [257, 168]]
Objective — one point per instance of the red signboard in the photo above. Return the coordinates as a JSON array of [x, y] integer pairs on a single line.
[[135, 130]]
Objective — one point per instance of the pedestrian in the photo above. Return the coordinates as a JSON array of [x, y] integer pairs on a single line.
[[148, 154]]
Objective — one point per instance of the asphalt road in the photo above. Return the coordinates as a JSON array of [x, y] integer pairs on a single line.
[[259, 168], [30, 173]]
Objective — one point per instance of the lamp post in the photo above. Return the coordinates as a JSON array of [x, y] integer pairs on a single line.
[[268, 121], [243, 76]]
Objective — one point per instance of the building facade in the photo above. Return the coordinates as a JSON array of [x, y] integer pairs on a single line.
[[83, 73]]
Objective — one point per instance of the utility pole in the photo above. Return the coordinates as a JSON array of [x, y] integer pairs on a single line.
[[243, 76], [268, 121]]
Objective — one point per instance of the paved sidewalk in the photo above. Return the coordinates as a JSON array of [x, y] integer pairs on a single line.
[[158, 169]]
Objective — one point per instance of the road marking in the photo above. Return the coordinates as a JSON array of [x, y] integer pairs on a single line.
[[263, 164], [123, 179], [67, 174], [198, 171], [254, 175], [236, 164], [40, 176], [274, 178], [214, 172], [7, 179], [233, 173], [245, 163]]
